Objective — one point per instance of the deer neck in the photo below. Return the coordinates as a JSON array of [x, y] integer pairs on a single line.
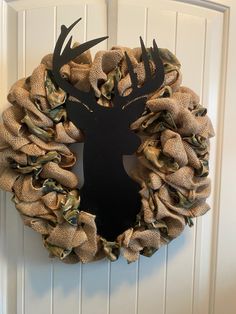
[[104, 163]]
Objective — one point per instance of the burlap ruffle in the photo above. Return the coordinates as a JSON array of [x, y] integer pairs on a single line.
[[36, 162]]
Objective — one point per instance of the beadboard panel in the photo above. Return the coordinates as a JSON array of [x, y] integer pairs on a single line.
[[177, 279]]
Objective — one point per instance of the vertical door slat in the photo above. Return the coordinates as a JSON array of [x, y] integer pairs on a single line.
[[181, 254], [152, 274], [67, 278], [39, 42]]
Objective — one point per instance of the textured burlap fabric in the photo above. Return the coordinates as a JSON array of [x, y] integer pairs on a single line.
[[104, 62], [54, 171], [36, 161]]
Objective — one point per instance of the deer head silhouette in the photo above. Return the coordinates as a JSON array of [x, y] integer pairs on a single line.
[[108, 191]]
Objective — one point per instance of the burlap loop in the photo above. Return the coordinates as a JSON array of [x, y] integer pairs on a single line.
[[103, 63], [134, 55], [184, 177], [192, 206], [68, 133], [175, 223], [38, 75], [67, 236], [49, 146], [39, 225], [174, 80], [32, 150], [36, 209], [136, 241], [185, 122], [8, 155], [12, 117], [79, 76], [54, 171], [36, 163], [16, 142], [54, 201], [67, 161], [8, 178], [47, 61], [88, 249], [26, 191], [172, 146], [193, 160], [22, 97], [155, 181]]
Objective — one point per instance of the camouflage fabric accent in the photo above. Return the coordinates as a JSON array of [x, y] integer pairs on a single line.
[[169, 60], [70, 208], [55, 95], [57, 251], [108, 87], [44, 134], [111, 249]]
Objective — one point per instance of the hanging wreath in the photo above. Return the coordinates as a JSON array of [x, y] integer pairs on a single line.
[[170, 134]]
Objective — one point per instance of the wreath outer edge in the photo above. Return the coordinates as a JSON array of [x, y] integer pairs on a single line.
[[36, 161]]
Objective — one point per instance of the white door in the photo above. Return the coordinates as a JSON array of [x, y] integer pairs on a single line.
[[196, 273]]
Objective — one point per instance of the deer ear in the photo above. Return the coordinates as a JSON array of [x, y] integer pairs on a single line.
[[78, 114], [135, 109]]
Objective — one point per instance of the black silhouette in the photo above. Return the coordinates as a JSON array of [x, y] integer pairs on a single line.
[[108, 192]]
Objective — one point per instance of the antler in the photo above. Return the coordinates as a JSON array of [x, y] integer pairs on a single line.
[[68, 54], [152, 82]]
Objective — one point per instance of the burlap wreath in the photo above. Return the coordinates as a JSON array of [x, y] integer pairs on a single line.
[[36, 163]]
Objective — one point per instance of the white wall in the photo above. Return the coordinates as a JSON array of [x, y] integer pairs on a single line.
[[180, 278]]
